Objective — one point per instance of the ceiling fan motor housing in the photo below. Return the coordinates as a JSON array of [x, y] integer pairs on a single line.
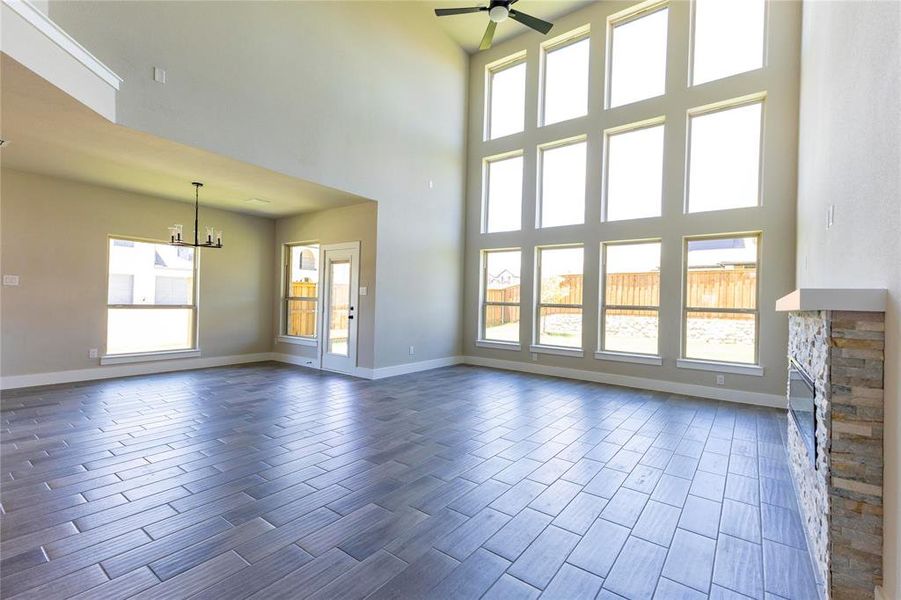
[[498, 10]]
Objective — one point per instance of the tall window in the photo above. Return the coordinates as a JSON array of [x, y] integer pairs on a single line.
[[634, 172], [724, 158], [566, 78], [501, 295], [301, 289], [728, 38], [562, 184], [559, 314], [503, 194], [151, 300], [506, 97], [721, 299], [637, 65], [631, 275]]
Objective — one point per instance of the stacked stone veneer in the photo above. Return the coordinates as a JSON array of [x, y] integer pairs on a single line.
[[841, 500]]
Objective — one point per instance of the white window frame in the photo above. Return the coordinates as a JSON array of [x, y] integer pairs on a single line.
[[537, 346], [486, 199], [758, 98], [616, 355], [575, 36], [131, 357], [284, 336], [539, 192], [633, 13], [720, 365], [624, 129], [693, 34], [490, 71], [481, 339]]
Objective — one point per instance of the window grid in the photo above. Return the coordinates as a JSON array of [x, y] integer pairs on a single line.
[[613, 120]]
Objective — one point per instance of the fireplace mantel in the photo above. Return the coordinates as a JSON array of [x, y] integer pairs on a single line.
[[848, 299]]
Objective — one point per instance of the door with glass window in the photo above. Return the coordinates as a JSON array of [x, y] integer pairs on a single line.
[[339, 314]]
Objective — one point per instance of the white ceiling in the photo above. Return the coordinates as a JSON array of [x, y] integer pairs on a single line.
[[467, 30], [51, 133]]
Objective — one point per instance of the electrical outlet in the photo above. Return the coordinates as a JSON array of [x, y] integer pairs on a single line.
[[721, 380], [534, 356], [412, 350], [159, 75], [363, 290], [92, 352], [11, 280]]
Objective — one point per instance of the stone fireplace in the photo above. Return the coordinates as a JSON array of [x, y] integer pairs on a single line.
[[836, 343]]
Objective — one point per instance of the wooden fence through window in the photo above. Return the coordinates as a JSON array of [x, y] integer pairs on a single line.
[[707, 288]]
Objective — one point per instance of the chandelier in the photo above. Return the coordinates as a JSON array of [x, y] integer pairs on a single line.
[[213, 237]]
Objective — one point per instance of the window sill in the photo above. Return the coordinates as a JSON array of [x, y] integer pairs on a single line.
[[556, 350], [498, 345], [122, 359], [297, 341], [720, 367], [641, 359]]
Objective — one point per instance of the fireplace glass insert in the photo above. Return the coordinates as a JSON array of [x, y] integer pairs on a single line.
[[801, 395]]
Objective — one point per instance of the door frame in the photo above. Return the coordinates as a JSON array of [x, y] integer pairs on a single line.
[[324, 297]]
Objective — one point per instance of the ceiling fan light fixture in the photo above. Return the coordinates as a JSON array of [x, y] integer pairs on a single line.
[[498, 13]]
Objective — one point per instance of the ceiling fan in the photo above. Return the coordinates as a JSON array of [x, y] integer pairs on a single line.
[[498, 10]]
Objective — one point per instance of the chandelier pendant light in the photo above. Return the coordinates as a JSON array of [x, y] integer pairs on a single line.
[[213, 237]]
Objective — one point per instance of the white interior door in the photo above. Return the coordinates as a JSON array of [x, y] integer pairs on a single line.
[[339, 314]]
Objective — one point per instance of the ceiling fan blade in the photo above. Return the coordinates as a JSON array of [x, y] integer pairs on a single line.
[[444, 12], [489, 36], [530, 21]]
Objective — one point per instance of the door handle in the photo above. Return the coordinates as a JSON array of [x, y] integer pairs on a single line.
[[350, 316]]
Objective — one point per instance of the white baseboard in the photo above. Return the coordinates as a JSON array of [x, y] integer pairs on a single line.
[[293, 359], [111, 371], [404, 369], [687, 389], [107, 372]]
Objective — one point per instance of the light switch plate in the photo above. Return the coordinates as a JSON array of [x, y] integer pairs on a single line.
[[363, 291], [159, 75], [10, 280]]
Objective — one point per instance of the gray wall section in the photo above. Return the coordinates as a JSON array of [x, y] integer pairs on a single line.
[[850, 159], [346, 224], [55, 233], [365, 97], [775, 217]]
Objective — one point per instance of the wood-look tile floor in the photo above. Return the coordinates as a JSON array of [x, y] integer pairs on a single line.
[[269, 481]]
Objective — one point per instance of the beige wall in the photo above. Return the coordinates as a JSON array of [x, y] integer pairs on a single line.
[[365, 97], [347, 224], [54, 237], [775, 217], [850, 158]]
